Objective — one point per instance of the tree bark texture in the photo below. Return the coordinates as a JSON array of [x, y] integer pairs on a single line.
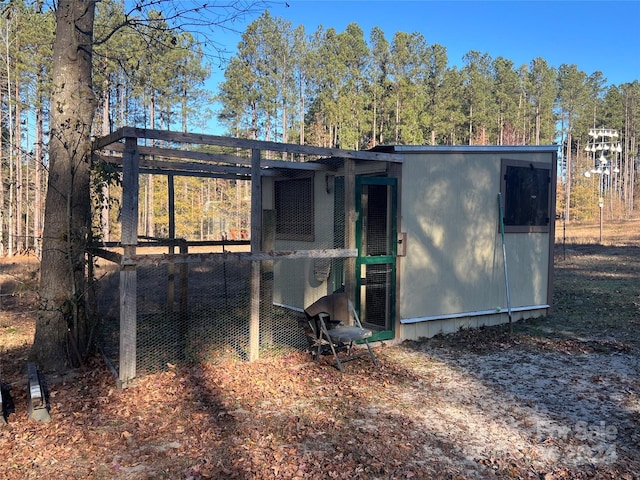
[[61, 337]]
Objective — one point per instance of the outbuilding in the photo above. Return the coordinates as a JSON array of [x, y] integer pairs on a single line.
[[413, 234], [431, 249]]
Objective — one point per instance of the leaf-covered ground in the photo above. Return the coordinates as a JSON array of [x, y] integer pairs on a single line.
[[558, 398]]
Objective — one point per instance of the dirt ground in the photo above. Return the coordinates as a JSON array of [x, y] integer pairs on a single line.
[[558, 398]]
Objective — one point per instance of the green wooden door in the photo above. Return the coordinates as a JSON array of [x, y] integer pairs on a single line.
[[376, 239]]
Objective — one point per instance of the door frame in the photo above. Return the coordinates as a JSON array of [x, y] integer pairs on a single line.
[[389, 259]]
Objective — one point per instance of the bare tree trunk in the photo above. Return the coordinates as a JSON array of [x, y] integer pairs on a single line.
[[183, 110], [38, 187], [104, 188], [301, 114], [569, 166], [632, 176], [524, 120], [285, 127], [12, 189], [61, 328], [628, 164], [11, 238], [537, 124], [374, 115], [398, 118], [19, 181], [470, 125]]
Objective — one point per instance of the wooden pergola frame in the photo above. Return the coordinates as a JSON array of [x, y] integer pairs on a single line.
[[176, 157]]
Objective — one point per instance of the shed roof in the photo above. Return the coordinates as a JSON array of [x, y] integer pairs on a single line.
[[465, 148]]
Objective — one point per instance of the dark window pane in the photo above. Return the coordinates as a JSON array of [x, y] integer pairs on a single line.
[[526, 195]]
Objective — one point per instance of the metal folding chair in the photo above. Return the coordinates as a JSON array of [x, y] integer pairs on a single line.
[[330, 320]]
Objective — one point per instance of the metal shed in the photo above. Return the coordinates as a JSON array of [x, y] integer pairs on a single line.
[[429, 240]]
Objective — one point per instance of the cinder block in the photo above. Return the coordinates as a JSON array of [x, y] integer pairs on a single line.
[[37, 395]]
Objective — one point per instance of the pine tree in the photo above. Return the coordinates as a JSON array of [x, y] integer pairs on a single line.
[[436, 119], [505, 98], [379, 84], [407, 69], [572, 98], [477, 92]]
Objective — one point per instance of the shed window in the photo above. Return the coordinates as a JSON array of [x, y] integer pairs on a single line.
[[526, 193], [294, 209]]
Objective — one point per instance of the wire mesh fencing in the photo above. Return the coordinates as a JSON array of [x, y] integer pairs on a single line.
[[194, 312], [193, 288]]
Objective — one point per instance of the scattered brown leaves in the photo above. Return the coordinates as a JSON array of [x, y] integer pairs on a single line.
[[414, 417]]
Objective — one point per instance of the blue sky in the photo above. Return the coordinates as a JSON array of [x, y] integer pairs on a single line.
[[594, 35]]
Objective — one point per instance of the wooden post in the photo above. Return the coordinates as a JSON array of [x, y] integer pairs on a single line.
[[256, 238], [171, 269], [128, 274], [183, 321], [350, 226], [128, 308], [266, 275], [184, 280]]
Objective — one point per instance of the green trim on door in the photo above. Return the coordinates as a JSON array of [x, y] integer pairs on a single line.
[[376, 240]]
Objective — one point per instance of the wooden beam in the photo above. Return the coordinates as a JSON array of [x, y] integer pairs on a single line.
[[161, 167], [158, 241], [163, 258], [114, 257], [217, 158], [109, 139], [171, 166], [202, 139]]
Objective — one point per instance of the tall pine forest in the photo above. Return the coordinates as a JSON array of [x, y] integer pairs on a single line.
[[350, 89]]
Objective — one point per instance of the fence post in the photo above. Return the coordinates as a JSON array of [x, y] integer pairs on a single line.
[[171, 268], [183, 321], [350, 226], [266, 276], [128, 274], [256, 239]]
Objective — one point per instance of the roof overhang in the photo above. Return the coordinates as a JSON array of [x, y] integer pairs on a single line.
[[202, 155]]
